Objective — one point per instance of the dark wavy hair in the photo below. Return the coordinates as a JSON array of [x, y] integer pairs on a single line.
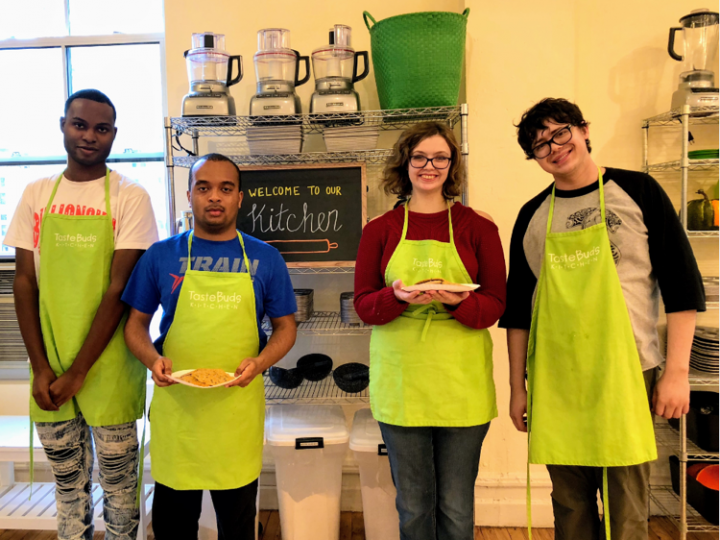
[[559, 110], [395, 179]]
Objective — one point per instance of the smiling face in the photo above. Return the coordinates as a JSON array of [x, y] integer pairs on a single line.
[[215, 198], [88, 132], [564, 160], [427, 179]]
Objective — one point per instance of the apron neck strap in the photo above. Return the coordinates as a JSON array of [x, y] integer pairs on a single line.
[[407, 217], [552, 203], [107, 192], [242, 246]]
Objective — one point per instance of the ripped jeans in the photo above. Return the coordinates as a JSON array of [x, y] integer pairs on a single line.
[[69, 449]]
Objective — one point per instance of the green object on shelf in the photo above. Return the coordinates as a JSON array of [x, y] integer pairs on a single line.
[[703, 154], [701, 214], [418, 58], [713, 191]]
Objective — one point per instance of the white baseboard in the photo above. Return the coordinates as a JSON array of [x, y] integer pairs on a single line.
[[500, 500]]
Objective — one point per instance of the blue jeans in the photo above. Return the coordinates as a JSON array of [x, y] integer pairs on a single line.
[[69, 449], [434, 470]]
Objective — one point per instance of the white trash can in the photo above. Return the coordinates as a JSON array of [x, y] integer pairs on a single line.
[[378, 491], [308, 443]]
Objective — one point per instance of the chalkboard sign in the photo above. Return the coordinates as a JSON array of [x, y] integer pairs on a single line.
[[313, 214]]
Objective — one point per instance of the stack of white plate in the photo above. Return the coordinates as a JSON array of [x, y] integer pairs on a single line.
[[704, 353], [712, 288], [351, 138], [275, 139]]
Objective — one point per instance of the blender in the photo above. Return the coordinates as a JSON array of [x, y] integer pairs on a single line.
[[277, 67], [336, 70], [697, 86], [209, 70]]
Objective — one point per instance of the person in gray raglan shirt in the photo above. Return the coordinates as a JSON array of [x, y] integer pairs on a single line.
[[652, 256]]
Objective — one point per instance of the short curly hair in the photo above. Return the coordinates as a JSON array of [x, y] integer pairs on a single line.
[[533, 120], [395, 179]]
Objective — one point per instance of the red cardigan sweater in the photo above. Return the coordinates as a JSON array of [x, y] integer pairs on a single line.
[[477, 242]]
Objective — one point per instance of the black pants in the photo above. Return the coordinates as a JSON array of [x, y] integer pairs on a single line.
[[175, 513]]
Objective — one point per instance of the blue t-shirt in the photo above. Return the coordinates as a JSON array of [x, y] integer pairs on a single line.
[[158, 276]]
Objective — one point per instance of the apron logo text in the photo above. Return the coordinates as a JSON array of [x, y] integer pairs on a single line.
[[431, 264], [219, 300], [75, 240], [571, 262]]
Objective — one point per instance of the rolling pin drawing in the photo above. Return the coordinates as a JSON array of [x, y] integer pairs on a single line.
[[304, 246]]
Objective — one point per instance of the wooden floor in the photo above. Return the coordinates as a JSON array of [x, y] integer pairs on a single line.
[[352, 528]]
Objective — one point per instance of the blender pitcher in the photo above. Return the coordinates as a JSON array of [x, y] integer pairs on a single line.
[[700, 40]]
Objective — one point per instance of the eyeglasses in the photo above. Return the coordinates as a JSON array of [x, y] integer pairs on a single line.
[[562, 136], [439, 162]]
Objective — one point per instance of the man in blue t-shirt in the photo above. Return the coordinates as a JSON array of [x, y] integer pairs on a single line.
[[209, 322]]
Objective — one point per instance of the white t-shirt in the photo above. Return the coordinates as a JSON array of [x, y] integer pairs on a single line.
[[133, 218]]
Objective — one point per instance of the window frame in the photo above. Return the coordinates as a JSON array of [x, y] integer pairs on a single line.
[[18, 370]]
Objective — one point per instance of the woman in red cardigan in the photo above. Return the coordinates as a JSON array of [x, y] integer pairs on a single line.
[[431, 380]]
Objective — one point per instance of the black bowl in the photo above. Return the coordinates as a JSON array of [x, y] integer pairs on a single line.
[[315, 367], [352, 378], [285, 378]]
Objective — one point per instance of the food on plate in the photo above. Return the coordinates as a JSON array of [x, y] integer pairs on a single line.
[[435, 281], [207, 377]]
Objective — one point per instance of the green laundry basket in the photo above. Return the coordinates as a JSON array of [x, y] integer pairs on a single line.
[[418, 58]]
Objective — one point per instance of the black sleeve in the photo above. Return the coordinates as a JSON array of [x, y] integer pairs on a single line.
[[521, 280], [671, 255]]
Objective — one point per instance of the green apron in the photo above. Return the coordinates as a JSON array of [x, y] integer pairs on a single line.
[[587, 403], [210, 439], [76, 257], [426, 368]]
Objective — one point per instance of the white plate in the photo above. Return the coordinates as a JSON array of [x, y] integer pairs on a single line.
[[176, 377], [455, 287]]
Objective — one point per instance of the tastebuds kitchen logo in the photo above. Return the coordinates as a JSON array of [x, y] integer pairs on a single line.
[[75, 240], [434, 266], [218, 300], [573, 261]]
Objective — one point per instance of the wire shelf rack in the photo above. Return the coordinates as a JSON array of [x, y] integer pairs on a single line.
[[693, 165], [324, 392], [698, 115], [669, 504], [326, 323], [368, 156], [703, 234], [668, 437], [321, 270], [389, 119]]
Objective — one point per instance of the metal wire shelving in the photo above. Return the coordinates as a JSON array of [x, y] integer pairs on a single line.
[[693, 165], [390, 119], [326, 323], [324, 392], [673, 118], [368, 156], [670, 505]]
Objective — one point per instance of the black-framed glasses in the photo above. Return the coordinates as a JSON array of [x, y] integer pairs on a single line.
[[439, 162], [560, 137]]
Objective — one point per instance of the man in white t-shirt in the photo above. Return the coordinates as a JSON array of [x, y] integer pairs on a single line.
[[77, 236]]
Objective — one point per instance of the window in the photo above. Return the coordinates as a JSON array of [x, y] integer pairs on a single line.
[[57, 47], [52, 48]]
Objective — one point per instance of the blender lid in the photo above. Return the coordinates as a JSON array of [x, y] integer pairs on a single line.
[[208, 40], [340, 35], [340, 52], [277, 54], [273, 38], [700, 17]]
